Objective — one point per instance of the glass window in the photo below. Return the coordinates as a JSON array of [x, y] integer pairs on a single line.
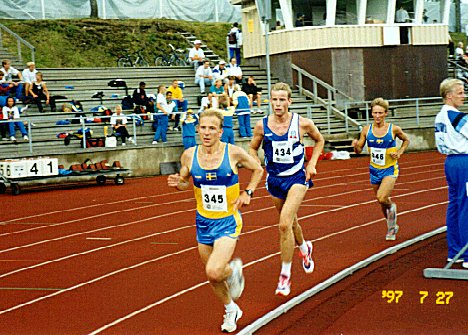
[[404, 11], [346, 12], [433, 12], [309, 13], [376, 11]]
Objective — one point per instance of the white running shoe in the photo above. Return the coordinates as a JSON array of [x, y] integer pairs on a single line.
[[12, 138], [230, 320], [124, 144], [465, 265], [236, 281], [307, 262], [25, 137], [284, 286], [154, 142]]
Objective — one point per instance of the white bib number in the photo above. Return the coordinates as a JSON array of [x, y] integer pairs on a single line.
[[214, 198], [283, 152], [378, 156]]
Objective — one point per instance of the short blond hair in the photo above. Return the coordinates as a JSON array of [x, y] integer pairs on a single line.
[[448, 85], [213, 112], [380, 102], [282, 87]]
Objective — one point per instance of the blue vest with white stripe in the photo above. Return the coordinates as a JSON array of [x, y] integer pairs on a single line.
[[286, 145]]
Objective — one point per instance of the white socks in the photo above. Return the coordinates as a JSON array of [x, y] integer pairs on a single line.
[[303, 247], [286, 269], [231, 306]]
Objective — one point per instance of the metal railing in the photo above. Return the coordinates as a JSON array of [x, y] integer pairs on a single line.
[[329, 102], [19, 41], [364, 106]]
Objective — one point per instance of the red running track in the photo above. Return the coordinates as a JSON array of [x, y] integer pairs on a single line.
[[123, 259]]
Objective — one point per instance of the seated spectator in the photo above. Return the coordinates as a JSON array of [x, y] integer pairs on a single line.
[[11, 112], [234, 70], [40, 92], [11, 72], [206, 102], [242, 105], [140, 99], [220, 71], [119, 124], [164, 107], [300, 20], [29, 76], [218, 92], [253, 92], [5, 89], [3, 125], [204, 76], [189, 121], [459, 52], [229, 88], [196, 55], [181, 103]]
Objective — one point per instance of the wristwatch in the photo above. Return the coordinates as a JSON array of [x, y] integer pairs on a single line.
[[249, 193]]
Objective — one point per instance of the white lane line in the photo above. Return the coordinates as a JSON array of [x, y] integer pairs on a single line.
[[159, 302]]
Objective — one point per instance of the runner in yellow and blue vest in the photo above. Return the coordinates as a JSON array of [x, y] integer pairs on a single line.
[[213, 167], [380, 138]]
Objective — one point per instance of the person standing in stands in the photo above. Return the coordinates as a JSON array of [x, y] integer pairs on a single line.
[[282, 135], [213, 166], [235, 42], [451, 134], [164, 107], [189, 122], [181, 103], [241, 103], [380, 138]]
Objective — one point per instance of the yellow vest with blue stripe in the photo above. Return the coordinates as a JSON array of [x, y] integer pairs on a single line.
[[380, 148], [215, 189]]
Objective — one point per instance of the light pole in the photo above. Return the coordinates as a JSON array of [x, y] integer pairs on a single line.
[[264, 9]]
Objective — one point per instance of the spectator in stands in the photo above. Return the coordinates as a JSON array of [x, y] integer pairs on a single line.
[[164, 107], [228, 112], [234, 70], [218, 93], [119, 124], [181, 103], [5, 89], [220, 71], [11, 72], [242, 105], [253, 92], [189, 121], [204, 76], [401, 15], [38, 90], [3, 125], [29, 76], [206, 102], [235, 42], [11, 112], [451, 46], [451, 134], [300, 20], [196, 55], [140, 99], [459, 52], [229, 88]]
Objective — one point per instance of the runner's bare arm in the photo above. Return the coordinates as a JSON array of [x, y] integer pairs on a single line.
[[256, 140], [308, 127], [181, 180], [240, 156], [398, 132], [359, 144]]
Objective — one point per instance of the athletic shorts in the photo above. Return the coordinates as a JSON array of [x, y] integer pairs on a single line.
[[210, 230], [376, 175], [280, 186]]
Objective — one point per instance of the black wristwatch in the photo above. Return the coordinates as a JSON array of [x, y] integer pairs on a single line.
[[249, 193]]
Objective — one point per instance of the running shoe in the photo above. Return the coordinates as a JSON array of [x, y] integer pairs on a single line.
[[284, 286], [230, 320], [465, 265], [307, 261], [391, 233], [236, 281]]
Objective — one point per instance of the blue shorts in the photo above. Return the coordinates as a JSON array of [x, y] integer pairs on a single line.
[[280, 186], [376, 175], [210, 230]]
